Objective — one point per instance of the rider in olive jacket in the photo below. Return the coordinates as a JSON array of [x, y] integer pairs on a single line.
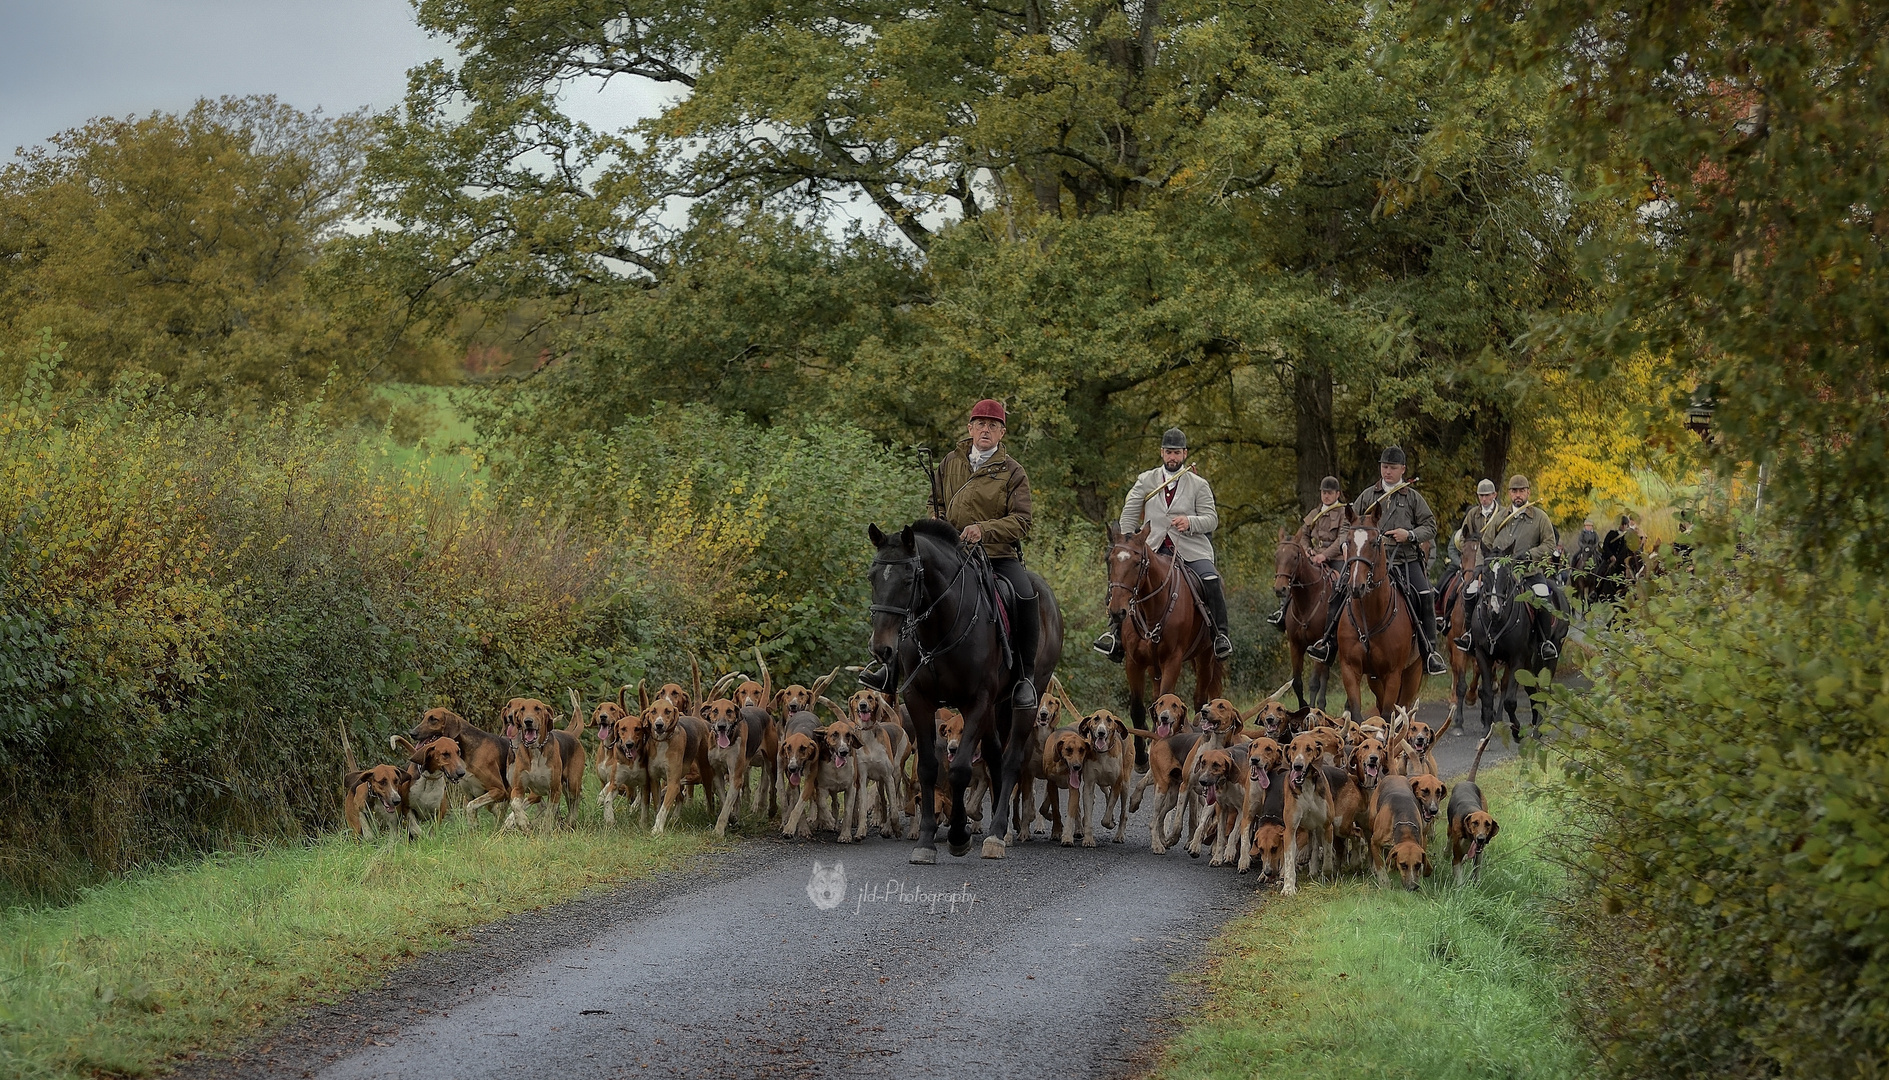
[[1404, 519]]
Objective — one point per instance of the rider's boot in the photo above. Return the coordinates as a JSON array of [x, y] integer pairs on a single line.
[[1320, 650], [1278, 618], [1425, 603], [1023, 636], [878, 676], [1544, 630], [1217, 604], [1110, 643]]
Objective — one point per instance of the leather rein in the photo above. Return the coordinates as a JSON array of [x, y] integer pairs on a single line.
[[912, 620], [1136, 598]]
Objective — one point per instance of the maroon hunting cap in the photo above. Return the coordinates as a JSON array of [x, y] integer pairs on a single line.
[[990, 409]]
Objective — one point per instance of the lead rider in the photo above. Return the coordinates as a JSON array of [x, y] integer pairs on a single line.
[[1178, 503], [985, 495]]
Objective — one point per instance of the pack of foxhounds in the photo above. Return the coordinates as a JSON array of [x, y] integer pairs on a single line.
[[1275, 789]]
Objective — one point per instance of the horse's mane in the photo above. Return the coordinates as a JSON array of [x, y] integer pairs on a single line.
[[936, 529]]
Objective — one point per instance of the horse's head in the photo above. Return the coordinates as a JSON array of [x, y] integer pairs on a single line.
[[1128, 557], [898, 588], [1365, 561], [1285, 562], [1499, 590], [1472, 554]]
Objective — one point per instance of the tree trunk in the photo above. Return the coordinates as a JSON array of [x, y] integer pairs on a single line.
[[1318, 443], [1496, 433]]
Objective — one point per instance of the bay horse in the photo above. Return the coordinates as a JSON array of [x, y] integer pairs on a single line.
[[1152, 605], [1502, 635], [1307, 588], [934, 621], [1465, 676], [1377, 632]]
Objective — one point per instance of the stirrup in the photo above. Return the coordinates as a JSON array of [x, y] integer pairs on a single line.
[[1277, 618], [1461, 641], [1023, 696], [1108, 644], [1434, 665], [1319, 651], [1549, 651], [1222, 645]]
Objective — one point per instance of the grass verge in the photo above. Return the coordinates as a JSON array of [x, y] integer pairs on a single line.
[[200, 956], [1352, 980]]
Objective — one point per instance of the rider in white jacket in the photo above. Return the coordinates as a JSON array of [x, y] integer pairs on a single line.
[[1178, 503]]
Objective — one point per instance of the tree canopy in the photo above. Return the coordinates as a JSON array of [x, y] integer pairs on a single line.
[[1282, 226], [190, 247]]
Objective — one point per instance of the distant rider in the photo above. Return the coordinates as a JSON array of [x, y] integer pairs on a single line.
[[1321, 532], [1523, 533]]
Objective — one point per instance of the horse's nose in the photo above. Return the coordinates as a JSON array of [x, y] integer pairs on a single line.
[[1279, 591]]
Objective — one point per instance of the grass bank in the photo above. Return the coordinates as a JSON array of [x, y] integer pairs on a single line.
[[200, 956], [1351, 980]]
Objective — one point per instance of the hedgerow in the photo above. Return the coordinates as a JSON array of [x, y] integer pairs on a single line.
[[192, 607], [1730, 783]]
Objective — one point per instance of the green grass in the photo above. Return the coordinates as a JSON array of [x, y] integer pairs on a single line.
[[203, 955], [1351, 980]]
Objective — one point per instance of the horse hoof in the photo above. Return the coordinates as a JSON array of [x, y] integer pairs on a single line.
[[925, 856], [960, 850], [993, 848]]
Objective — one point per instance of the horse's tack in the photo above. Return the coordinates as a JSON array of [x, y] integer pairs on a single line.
[[1152, 634]]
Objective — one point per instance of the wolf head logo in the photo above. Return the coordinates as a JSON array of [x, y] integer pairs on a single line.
[[827, 887]]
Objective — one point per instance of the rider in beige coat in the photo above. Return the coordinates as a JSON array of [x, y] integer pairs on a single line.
[[1178, 503]]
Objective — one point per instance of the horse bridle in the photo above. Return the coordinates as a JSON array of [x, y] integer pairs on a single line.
[[1292, 577], [1371, 585], [910, 620], [1151, 634]]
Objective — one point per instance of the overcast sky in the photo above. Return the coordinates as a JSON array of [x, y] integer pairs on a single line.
[[63, 62]]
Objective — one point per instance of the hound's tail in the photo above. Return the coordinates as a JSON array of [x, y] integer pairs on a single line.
[[1474, 765], [347, 750], [576, 727]]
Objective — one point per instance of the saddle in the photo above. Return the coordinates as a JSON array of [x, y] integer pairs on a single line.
[[1199, 591], [1004, 603]]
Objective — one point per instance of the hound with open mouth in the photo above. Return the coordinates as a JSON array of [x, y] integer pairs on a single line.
[[544, 764], [1265, 806], [738, 741], [1308, 807], [678, 754]]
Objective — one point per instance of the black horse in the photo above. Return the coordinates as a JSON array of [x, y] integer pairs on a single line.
[[934, 627], [1502, 634]]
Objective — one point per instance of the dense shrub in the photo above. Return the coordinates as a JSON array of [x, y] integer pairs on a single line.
[[193, 608], [1730, 786]]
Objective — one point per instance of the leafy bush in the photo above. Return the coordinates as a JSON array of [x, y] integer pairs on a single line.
[[194, 608], [1730, 786]]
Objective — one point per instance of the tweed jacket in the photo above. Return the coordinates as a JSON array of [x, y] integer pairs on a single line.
[[1193, 496]]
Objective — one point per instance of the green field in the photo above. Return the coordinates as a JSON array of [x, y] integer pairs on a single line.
[[1352, 980], [200, 956]]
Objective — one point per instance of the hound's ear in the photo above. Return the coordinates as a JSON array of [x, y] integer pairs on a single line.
[[876, 535], [1494, 827], [1426, 864], [1442, 790], [1121, 729]]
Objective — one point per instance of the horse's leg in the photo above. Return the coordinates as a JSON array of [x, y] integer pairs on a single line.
[[1010, 759], [1509, 688], [1353, 678], [1485, 674], [977, 721], [926, 749], [1297, 652], [1138, 709]]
